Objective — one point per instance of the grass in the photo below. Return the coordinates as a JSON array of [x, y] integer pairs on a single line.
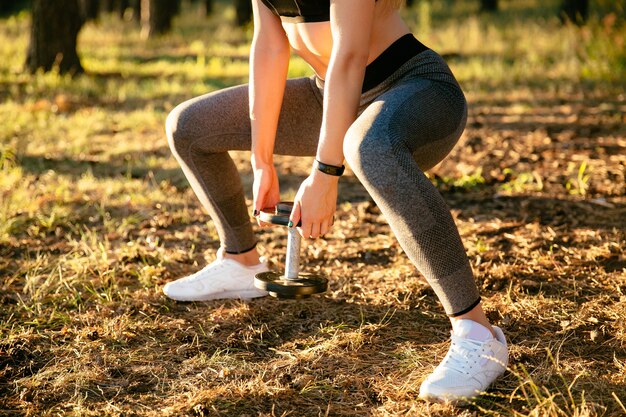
[[95, 216]]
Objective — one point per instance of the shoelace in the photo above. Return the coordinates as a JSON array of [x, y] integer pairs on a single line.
[[464, 354]]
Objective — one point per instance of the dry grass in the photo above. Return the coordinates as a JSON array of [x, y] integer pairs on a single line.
[[95, 217]]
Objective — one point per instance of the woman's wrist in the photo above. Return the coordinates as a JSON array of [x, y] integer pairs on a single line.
[[329, 159], [321, 176], [328, 169], [260, 161]]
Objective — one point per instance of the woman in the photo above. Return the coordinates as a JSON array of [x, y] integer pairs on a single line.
[[380, 99]]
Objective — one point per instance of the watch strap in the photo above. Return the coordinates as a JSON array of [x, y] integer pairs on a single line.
[[330, 169]]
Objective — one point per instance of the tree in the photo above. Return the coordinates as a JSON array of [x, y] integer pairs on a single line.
[[488, 5], [576, 11], [136, 6], [108, 5], [90, 9], [122, 6], [53, 34], [157, 16], [208, 6], [243, 10]]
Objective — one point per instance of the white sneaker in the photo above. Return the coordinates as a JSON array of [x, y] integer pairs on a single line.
[[474, 361], [222, 278]]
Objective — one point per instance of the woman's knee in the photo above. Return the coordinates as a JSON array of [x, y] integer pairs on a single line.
[[351, 145], [177, 137], [205, 120], [364, 149], [189, 122]]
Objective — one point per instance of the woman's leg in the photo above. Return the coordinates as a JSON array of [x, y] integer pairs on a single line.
[[201, 131], [409, 128]]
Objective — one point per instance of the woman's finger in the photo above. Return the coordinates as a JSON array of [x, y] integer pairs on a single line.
[[325, 227], [258, 202], [305, 226], [296, 212], [315, 230]]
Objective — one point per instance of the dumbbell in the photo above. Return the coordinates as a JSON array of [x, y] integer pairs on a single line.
[[293, 284]]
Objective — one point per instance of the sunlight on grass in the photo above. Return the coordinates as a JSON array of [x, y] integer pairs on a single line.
[[558, 398]]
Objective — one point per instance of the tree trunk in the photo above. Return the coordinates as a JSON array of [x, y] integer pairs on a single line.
[[122, 6], [136, 5], [54, 29], [489, 6], [208, 7], [157, 16], [108, 5], [90, 9], [576, 11], [244, 11]]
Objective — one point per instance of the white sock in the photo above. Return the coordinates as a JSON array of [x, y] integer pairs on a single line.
[[469, 329]]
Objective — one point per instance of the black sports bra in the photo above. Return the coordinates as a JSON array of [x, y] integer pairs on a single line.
[[300, 11]]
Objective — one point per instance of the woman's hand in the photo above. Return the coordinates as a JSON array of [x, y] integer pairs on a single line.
[[265, 189], [315, 204]]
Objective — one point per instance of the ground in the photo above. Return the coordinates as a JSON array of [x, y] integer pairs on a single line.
[[95, 216]]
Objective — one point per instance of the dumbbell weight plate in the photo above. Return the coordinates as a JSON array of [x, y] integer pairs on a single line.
[[280, 287]]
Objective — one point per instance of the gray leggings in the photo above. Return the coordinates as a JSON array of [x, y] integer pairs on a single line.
[[406, 125]]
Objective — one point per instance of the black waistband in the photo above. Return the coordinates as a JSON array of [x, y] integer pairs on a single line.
[[390, 60]]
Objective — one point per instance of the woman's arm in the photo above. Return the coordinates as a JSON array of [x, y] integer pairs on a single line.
[[351, 25], [269, 61]]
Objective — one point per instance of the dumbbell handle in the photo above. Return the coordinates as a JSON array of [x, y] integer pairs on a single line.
[[292, 262], [280, 216]]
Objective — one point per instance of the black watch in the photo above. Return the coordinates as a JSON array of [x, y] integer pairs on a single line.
[[330, 169]]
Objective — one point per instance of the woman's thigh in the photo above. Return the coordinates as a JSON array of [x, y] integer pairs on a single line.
[[219, 121], [419, 116]]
